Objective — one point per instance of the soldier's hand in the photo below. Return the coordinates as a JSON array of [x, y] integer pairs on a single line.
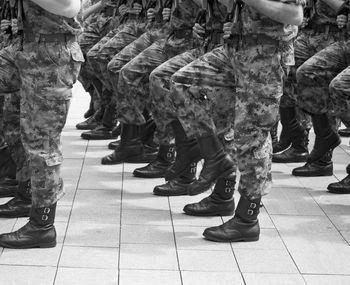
[[342, 20], [304, 23], [123, 9], [166, 14], [14, 26], [104, 3], [151, 14], [198, 31], [4, 25], [136, 9], [228, 30]]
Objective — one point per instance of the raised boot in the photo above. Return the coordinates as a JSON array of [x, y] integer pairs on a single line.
[[321, 167], [20, 205], [244, 226], [157, 167], [217, 164], [7, 165], [298, 152], [130, 148], [8, 187], [187, 152], [38, 232], [326, 138], [291, 129], [177, 186], [92, 122], [218, 203]]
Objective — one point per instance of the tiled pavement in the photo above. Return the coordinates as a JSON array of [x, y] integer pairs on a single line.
[[112, 230]]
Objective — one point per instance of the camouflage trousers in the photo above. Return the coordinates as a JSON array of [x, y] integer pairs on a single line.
[[161, 105], [11, 113], [115, 65], [306, 45], [133, 93], [94, 30], [323, 81], [45, 73], [102, 53], [249, 89]]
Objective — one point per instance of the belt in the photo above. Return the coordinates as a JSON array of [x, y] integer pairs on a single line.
[[184, 33], [251, 40], [323, 28], [49, 38]]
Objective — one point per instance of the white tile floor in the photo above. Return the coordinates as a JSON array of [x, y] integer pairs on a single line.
[[112, 230]]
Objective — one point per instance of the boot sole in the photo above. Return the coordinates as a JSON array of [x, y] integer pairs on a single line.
[[290, 161], [14, 216], [312, 175], [36, 245], [140, 175], [170, 194], [197, 214], [232, 240]]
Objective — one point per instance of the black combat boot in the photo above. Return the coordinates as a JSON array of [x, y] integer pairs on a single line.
[[291, 129], [320, 167], [91, 123], [344, 132], [157, 167], [38, 232], [8, 187], [244, 226], [20, 205], [326, 138], [130, 148], [343, 186], [298, 152], [103, 132], [217, 164], [177, 186], [187, 152], [219, 203], [7, 165]]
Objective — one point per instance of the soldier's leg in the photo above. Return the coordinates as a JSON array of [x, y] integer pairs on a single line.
[[257, 106], [133, 98], [164, 113], [9, 85], [313, 78], [340, 105], [202, 93], [7, 165], [99, 61], [47, 82]]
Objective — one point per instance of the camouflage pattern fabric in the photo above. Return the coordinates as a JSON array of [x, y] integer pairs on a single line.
[[202, 93], [45, 73], [133, 93], [308, 43], [40, 21], [161, 105], [326, 70]]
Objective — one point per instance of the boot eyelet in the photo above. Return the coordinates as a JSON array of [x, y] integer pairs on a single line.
[[44, 217], [193, 170], [46, 210], [250, 212], [169, 155], [252, 205], [227, 190]]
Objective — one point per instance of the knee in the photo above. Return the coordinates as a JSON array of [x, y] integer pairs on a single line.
[[335, 86]]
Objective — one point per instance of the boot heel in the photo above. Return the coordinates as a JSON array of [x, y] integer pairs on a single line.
[[48, 245], [251, 239]]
